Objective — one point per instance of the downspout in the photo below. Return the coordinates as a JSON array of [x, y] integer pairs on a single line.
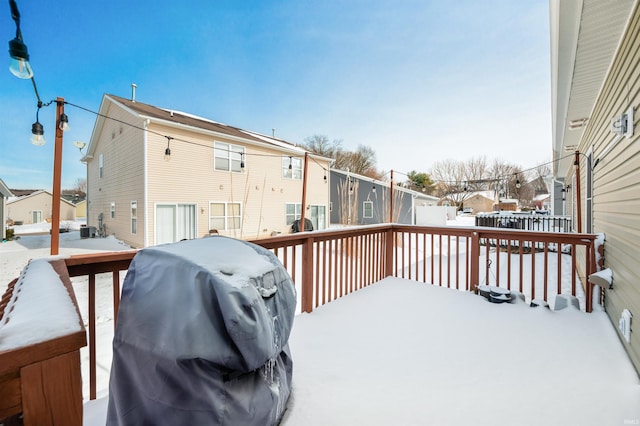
[[145, 183]]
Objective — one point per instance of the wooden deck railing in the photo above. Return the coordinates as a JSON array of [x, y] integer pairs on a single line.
[[330, 264]]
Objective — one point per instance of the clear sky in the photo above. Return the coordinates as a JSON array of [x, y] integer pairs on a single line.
[[417, 80]]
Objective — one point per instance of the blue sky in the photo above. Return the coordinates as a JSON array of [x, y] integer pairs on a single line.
[[418, 81]]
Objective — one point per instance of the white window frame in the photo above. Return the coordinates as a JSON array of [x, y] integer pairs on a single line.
[[113, 209], [134, 217], [100, 166], [289, 218], [228, 222], [368, 204], [233, 154], [295, 172]]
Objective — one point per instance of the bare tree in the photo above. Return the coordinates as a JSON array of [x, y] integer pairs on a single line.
[[319, 144], [476, 173], [80, 185], [452, 180]]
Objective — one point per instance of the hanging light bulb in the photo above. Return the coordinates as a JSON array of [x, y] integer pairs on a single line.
[[19, 63], [37, 134], [64, 122], [518, 185], [167, 151], [290, 163], [242, 160]]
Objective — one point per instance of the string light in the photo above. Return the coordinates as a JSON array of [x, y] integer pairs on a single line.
[[167, 152], [472, 182]]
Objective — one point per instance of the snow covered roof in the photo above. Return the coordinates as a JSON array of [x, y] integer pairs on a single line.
[[33, 194]]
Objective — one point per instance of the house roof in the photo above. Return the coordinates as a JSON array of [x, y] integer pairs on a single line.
[[416, 194], [585, 36], [23, 192], [33, 194], [186, 120]]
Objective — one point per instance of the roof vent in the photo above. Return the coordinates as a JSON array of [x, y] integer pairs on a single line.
[[133, 92]]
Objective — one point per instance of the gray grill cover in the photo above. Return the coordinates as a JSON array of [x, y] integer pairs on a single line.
[[202, 336]]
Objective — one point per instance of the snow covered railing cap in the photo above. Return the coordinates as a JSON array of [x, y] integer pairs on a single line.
[[603, 278], [40, 308]]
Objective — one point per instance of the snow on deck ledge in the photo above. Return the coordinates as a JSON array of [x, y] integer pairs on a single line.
[[40, 308]]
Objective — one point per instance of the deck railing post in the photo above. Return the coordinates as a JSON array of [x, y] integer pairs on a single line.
[[389, 246], [474, 275], [307, 275]]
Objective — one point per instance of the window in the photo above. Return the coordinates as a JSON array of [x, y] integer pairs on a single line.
[[291, 168], [228, 157], [100, 165], [367, 208], [113, 210], [292, 212], [134, 217], [225, 216]]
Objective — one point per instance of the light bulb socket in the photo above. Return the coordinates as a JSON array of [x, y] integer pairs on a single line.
[[64, 122], [37, 129], [18, 50]]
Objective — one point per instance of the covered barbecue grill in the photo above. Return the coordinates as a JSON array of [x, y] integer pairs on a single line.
[[202, 336]]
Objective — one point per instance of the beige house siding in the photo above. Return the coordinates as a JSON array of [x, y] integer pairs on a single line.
[[189, 177], [81, 209], [616, 182], [122, 181], [21, 209], [479, 204]]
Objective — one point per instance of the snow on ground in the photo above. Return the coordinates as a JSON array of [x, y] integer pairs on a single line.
[[401, 352]]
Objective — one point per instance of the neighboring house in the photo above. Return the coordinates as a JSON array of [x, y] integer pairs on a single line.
[[481, 201], [73, 196], [5, 193], [36, 208], [596, 94], [158, 176], [542, 202], [360, 200], [81, 209]]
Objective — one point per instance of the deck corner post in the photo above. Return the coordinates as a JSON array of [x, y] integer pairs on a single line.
[[389, 245], [475, 263], [307, 275]]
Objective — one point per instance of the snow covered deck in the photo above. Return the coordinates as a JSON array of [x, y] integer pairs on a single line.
[[408, 353], [381, 344]]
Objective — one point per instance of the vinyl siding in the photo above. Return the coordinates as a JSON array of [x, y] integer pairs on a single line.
[[122, 147], [22, 208], [616, 182], [189, 177]]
